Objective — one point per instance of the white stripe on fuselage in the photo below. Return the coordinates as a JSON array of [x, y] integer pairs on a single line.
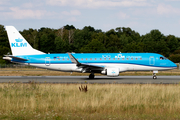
[[125, 67]]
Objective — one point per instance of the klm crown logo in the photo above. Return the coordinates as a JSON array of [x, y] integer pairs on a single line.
[[18, 43], [18, 40]]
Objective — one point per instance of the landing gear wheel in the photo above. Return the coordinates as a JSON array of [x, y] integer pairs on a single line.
[[154, 77], [91, 76], [154, 74]]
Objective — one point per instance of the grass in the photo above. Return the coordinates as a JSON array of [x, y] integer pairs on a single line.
[[109, 101], [44, 72]]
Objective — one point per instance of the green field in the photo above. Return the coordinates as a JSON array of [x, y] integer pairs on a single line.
[[108, 101]]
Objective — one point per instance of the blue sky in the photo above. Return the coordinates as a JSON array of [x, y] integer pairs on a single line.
[[140, 15]]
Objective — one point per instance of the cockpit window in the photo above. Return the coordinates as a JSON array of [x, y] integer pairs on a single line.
[[163, 58]]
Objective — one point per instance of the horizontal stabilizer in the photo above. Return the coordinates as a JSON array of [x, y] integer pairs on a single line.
[[18, 58]]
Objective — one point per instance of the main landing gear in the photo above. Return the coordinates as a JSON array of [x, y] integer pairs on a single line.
[[154, 74], [91, 76]]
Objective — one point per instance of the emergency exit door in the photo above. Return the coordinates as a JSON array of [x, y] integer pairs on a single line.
[[47, 61]]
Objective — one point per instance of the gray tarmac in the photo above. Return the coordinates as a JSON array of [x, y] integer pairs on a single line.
[[97, 79]]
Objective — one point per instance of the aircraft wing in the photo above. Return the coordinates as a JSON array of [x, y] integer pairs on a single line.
[[18, 58], [83, 65], [90, 66]]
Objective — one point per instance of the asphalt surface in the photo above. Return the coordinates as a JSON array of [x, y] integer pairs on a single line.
[[97, 79]]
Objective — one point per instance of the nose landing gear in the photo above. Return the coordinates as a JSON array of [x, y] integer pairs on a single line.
[[154, 74]]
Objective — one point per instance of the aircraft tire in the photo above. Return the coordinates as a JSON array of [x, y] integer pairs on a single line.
[[154, 77], [91, 76]]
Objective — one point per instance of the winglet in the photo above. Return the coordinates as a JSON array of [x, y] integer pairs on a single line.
[[73, 59]]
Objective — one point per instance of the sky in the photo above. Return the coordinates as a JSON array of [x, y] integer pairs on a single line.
[[140, 15]]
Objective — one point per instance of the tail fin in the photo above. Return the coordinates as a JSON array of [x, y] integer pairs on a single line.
[[19, 46]]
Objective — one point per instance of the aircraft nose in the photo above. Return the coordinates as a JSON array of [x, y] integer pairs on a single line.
[[173, 65]]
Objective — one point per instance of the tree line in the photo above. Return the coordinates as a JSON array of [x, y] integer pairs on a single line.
[[91, 40]]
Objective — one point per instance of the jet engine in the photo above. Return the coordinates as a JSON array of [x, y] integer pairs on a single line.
[[111, 72]]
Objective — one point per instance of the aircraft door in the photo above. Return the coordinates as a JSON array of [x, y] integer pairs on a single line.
[[47, 61], [151, 60]]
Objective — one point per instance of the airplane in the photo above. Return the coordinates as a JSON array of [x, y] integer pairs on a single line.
[[110, 64]]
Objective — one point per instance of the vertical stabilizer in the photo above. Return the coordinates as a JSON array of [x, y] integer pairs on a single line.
[[19, 46]]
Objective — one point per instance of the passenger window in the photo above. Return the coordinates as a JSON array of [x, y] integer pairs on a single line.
[[109, 58], [95, 59], [90, 58], [127, 58], [100, 58], [63, 58], [86, 59], [113, 58], [104, 58], [136, 58], [131, 58], [68, 59], [122, 58], [118, 58], [140, 58], [81, 58]]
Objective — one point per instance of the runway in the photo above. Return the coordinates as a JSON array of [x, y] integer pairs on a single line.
[[97, 79]]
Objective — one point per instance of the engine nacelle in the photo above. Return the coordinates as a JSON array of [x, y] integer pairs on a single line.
[[112, 72]]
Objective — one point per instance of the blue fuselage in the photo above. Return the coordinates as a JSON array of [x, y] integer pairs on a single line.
[[132, 61]]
